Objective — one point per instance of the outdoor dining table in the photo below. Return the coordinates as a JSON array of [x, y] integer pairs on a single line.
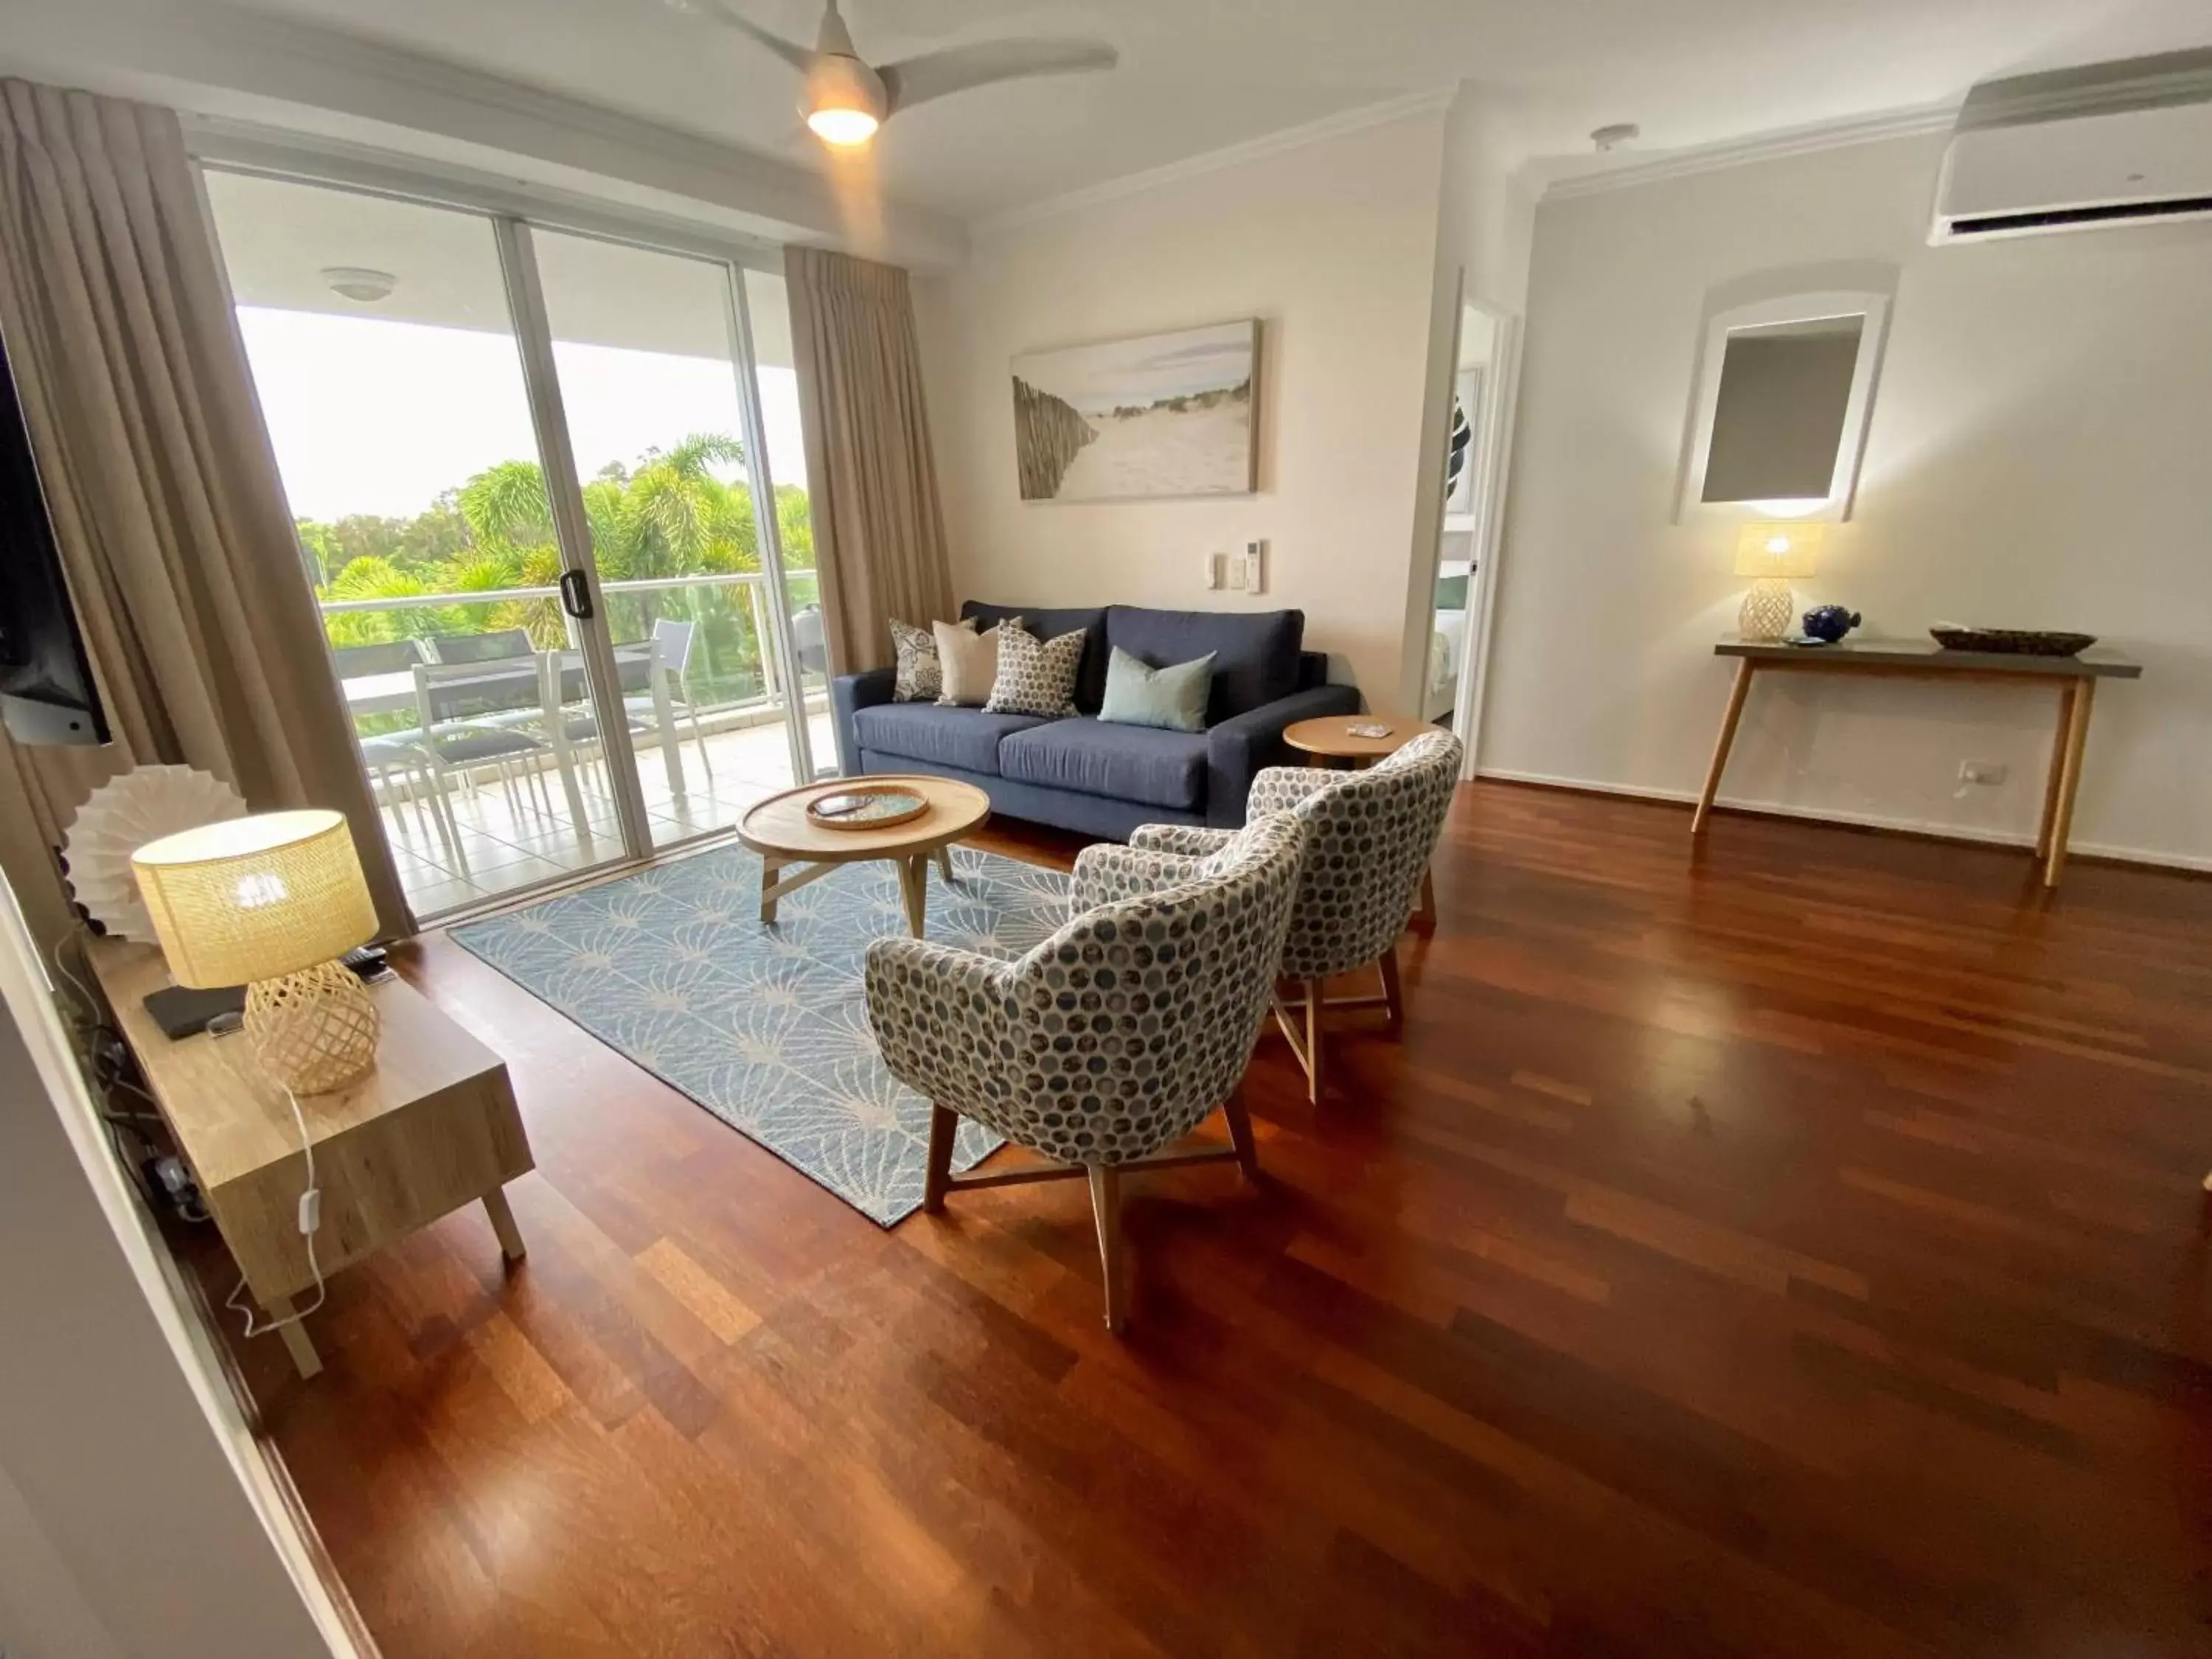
[[518, 682]]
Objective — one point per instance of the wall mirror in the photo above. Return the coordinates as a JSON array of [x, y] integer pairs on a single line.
[[1784, 390]]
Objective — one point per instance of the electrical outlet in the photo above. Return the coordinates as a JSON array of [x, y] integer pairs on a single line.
[[1981, 772], [1240, 573]]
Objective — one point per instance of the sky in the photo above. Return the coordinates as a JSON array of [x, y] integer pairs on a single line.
[[372, 415]]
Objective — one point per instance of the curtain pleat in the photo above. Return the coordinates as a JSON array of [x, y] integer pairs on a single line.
[[196, 608], [879, 528]]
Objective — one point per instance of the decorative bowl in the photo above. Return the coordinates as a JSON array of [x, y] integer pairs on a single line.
[[2013, 641], [1829, 623]]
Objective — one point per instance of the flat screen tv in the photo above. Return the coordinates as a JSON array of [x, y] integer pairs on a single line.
[[46, 691]]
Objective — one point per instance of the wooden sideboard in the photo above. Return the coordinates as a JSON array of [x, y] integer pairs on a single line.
[[433, 1127]]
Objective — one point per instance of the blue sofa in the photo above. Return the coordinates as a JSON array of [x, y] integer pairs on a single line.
[[1083, 773]]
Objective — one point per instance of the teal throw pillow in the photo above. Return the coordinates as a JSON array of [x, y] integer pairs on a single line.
[[1172, 697]]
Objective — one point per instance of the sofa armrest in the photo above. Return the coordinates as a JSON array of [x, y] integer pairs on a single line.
[[848, 695], [1236, 749]]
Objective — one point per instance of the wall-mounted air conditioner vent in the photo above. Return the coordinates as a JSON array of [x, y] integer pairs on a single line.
[[2113, 144]]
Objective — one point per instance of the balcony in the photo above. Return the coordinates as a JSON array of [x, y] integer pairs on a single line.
[[479, 792]]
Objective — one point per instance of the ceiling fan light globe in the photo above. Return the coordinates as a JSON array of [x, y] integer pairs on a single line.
[[845, 101], [845, 128]]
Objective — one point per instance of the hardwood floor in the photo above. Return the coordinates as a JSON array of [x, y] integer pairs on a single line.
[[1793, 1247]]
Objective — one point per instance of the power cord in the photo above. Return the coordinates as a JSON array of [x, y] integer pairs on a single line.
[[311, 1221]]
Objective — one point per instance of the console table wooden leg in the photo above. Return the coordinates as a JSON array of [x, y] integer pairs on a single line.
[[2067, 695], [1737, 693], [2069, 780], [294, 1335], [502, 1223]]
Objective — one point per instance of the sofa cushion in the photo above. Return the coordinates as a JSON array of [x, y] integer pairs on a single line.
[[1129, 763], [1050, 624], [965, 738], [1256, 653]]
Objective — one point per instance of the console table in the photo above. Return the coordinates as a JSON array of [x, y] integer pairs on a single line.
[[2074, 676], [433, 1127]]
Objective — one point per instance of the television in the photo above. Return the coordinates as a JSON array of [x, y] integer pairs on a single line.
[[46, 691]]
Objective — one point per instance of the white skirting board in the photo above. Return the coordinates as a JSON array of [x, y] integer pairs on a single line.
[[1864, 820]]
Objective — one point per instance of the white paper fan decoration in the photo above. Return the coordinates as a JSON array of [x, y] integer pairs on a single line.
[[121, 816]]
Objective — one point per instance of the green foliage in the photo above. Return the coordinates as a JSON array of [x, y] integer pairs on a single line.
[[669, 516]]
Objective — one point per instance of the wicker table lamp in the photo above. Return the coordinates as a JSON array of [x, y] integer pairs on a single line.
[[1774, 553], [270, 900]]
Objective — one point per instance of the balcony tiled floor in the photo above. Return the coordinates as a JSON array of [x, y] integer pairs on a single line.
[[504, 849]]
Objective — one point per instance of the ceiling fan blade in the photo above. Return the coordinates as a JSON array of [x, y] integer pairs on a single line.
[[799, 57], [935, 73]]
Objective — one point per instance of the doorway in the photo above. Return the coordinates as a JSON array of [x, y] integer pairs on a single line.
[[1485, 360], [550, 489]]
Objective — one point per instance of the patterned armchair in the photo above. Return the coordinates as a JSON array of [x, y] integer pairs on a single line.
[[1369, 838], [1114, 1038]]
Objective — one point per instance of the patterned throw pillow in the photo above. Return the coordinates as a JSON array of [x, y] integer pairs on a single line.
[[1035, 677], [921, 674]]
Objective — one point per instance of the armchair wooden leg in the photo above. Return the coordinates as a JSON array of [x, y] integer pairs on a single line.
[[1394, 998], [1106, 1209], [1313, 1040], [1240, 1133], [943, 1126]]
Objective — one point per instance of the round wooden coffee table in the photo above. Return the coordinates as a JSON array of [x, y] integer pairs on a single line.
[[779, 829], [1329, 737]]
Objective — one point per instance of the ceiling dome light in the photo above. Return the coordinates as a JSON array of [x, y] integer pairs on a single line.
[[360, 282], [845, 101]]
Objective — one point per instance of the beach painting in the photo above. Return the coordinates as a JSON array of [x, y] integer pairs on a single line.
[[1161, 415]]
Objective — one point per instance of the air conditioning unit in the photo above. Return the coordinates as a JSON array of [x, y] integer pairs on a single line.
[[2120, 143]]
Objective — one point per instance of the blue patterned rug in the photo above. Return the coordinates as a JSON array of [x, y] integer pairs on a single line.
[[768, 1027]]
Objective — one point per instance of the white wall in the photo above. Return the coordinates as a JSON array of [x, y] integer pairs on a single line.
[[124, 1458], [1331, 244], [2038, 457]]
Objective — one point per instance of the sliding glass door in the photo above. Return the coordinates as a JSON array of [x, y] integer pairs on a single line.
[[686, 524], [537, 495]]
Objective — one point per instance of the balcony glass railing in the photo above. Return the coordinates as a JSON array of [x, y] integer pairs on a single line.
[[733, 665]]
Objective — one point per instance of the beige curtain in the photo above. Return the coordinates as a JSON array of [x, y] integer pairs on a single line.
[[196, 608], [878, 530]]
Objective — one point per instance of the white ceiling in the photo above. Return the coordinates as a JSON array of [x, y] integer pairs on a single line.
[[1198, 75]]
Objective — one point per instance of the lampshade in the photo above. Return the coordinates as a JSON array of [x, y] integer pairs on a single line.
[[1779, 551], [255, 898]]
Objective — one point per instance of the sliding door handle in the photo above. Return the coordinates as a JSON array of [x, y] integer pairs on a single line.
[[576, 595]]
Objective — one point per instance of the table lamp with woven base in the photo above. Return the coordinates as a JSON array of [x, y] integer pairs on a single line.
[[1774, 553], [270, 900]]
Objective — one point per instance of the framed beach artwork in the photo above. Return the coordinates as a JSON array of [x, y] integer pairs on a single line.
[[1160, 414]]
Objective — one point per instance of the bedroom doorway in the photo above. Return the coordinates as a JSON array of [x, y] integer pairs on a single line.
[[1485, 360]]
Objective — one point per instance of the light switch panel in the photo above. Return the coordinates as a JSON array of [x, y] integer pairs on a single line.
[[1215, 575]]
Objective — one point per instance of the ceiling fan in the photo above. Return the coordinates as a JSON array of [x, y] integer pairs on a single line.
[[845, 98]]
